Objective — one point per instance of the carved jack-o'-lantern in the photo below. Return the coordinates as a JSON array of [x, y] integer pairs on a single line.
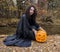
[[41, 36]]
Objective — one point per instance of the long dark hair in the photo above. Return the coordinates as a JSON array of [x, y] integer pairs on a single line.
[[28, 13]]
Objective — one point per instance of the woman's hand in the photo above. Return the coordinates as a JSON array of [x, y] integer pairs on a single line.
[[34, 31]]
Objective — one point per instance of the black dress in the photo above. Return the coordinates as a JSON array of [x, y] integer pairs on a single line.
[[24, 33]]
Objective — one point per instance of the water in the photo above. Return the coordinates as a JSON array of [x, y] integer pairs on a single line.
[[51, 29]]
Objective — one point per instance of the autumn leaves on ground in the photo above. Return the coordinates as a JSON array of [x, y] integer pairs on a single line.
[[51, 45]]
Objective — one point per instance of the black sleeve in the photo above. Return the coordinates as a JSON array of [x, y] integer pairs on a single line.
[[36, 24]]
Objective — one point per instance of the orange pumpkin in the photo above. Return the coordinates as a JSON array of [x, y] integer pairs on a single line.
[[41, 36]]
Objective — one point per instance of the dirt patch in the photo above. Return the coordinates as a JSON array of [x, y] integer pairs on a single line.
[[51, 45]]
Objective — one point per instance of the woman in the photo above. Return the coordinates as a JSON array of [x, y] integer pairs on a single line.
[[26, 29]]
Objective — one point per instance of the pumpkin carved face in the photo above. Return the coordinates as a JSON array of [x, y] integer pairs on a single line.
[[41, 36]]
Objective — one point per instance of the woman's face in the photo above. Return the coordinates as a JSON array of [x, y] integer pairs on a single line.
[[31, 10]]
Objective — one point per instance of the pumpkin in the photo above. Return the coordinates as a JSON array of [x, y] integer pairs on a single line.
[[41, 36]]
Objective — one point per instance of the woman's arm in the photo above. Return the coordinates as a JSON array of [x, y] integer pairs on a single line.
[[35, 24], [34, 31]]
